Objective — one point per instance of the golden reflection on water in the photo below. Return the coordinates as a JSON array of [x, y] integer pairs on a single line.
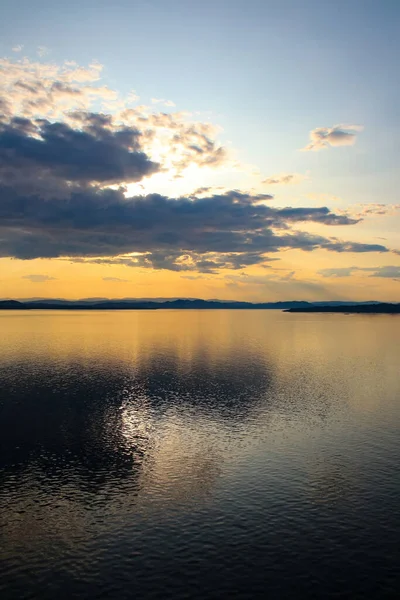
[[110, 418], [215, 344]]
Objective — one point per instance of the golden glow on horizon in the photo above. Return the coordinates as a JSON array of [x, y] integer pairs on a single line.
[[276, 282]]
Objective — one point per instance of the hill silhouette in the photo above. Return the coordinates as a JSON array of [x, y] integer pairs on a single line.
[[381, 308], [186, 303]]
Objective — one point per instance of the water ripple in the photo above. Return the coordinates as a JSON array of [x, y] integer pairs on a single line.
[[199, 455]]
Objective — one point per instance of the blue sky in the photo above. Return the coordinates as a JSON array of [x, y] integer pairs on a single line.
[[267, 72]]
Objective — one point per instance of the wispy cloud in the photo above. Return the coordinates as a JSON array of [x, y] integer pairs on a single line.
[[387, 272], [285, 179], [326, 137], [115, 279], [37, 278], [17, 48], [162, 101], [42, 51], [277, 282], [374, 209], [132, 97]]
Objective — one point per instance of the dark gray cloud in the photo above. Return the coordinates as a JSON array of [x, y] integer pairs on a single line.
[[55, 199], [226, 230], [92, 152], [172, 233], [230, 230], [320, 215]]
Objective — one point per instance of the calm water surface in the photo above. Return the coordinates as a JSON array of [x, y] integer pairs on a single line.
[[199, 454]]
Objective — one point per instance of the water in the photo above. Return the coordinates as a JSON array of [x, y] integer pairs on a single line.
[[199, 454]]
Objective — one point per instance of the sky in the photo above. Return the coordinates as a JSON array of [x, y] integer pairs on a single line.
[[241, 150]]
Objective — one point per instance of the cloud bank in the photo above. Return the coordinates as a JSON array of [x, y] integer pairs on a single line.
[[65, 167], [173, 233]]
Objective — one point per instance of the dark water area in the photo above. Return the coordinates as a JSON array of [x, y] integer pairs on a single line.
[[189, 454]]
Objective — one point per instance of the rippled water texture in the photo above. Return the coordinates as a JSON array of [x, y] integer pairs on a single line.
[[189, 454]]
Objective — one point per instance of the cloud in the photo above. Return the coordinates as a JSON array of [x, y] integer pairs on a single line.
[[64, 170], [48, 90], [337, 272], [39, 90], [246, 279], [285, 179], [389, 272], [17, 48], [162, 101], [276, 283], [36, 278], [361, 211], [42, 51], [229, 230], [326, 137], [206, 262], [317, 215], [194, 277], [194, 144], [207, 191], [238, 228], [93, 151], [115, 279], [132, 97]]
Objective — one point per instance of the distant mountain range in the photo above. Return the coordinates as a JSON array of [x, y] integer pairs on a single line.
[[192, 303]]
